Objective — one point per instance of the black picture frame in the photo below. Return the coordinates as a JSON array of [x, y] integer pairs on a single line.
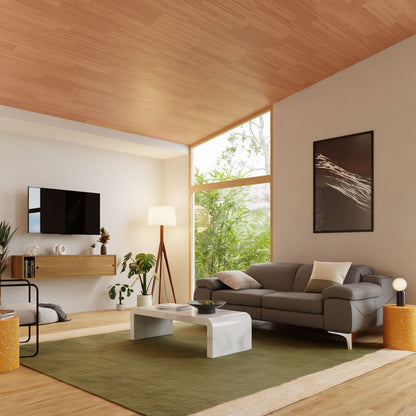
[[343, 184]]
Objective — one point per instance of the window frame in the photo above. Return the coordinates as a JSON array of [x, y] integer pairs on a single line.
[[255, 180]]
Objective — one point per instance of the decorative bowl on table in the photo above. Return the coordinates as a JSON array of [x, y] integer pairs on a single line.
[[206, 306]]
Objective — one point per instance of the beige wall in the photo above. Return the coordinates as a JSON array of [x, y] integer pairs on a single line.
[[176, 192], [377, 94]]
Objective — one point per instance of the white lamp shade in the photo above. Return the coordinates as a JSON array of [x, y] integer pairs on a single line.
[[162, 215], [399, 284]]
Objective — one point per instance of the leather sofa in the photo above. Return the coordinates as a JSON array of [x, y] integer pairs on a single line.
[[354, 306]]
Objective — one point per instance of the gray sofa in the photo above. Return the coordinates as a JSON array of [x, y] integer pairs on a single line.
[[355, 306]]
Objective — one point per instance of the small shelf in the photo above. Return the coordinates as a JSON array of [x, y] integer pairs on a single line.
[[48, 267]]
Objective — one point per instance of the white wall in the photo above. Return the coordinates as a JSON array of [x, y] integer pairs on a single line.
[[376, 94], [128, 186]]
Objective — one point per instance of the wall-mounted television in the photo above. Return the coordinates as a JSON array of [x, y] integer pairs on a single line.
[[58, 211]]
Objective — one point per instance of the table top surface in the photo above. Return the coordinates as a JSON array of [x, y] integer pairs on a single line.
[[392, 306], [189, 315]]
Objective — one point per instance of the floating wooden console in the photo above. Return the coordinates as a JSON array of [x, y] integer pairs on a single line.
[[47, 267]]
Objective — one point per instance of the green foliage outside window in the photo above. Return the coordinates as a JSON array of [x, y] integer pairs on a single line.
[[232, 225], [228, 235]]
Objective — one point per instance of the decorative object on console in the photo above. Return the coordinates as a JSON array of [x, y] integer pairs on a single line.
[[326, 274], [400, 285], [140, 265], [31, 251], [120, 289], [162, 215], [58, 250], [6, 235], [104, 238], [343, 184], [91, 249]]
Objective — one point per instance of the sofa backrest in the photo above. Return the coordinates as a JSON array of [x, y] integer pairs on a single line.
[[304, 273], [302, 278], [294, 276], [275, 276]]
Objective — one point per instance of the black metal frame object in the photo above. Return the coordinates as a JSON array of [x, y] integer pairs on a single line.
[[22, 283]]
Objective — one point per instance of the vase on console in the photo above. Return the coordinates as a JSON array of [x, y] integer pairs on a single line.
[[104, 237]]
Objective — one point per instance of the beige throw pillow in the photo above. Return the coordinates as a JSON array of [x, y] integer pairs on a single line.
[[237, 280], [326, 274]]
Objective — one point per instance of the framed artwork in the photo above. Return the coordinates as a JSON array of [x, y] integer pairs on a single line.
[[343, 182]]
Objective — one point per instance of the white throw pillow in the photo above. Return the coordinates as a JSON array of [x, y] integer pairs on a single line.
[[237, 280], [326, 274]]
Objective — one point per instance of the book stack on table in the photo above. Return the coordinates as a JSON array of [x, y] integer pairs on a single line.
[[174, 306], [4, 313]]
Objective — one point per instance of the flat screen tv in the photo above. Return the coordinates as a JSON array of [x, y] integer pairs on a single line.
[[57, 211]]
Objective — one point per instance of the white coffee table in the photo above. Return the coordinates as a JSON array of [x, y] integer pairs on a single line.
[[227, 331]]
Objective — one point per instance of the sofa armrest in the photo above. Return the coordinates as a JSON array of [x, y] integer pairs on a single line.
[[353, 291], [377, 279], [212, 283]]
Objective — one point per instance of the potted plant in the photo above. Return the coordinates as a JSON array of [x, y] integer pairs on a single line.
[[140, 265], [92, 248], [6, 235], [104, 237], [120, 289]]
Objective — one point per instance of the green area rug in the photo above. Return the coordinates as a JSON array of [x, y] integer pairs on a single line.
[[171, 375]]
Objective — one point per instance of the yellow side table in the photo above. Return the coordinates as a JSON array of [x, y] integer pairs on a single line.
[[9, 343], [399, 327]]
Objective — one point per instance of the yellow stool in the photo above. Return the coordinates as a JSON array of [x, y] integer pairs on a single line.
[[399, 327], [9, 343]]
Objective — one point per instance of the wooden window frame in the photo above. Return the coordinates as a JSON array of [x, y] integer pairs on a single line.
[[227, 184]]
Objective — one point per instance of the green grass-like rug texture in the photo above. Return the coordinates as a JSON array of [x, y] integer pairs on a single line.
[[171, 375]]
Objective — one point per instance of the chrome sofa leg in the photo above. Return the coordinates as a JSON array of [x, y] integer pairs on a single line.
[[348, 338]]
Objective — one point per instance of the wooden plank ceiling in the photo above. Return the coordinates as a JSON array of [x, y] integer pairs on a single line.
[[181, 70]]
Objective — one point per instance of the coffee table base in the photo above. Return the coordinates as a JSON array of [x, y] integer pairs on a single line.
[[228, 332]]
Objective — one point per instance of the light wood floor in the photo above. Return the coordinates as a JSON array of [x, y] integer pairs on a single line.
[[23, 392]]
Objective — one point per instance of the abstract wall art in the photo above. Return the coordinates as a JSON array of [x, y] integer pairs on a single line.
[[343, 184]]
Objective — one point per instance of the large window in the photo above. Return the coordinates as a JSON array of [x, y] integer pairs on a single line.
[[231, 198]]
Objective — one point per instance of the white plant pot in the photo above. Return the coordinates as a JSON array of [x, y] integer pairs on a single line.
[[120, 306], [144, 300]]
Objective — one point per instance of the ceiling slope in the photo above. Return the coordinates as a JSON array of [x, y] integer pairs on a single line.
[[182, 70]]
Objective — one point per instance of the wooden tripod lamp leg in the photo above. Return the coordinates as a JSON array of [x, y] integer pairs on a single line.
[[168, 269], [158, 269]]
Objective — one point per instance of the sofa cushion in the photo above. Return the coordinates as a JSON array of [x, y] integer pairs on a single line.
[[326, 274], [211, 283], [247, 297], [275, 276], [27, 313], [303, 274], [294, 301], [237, 280]]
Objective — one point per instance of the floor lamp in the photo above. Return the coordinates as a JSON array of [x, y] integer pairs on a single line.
[[162, 215]]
